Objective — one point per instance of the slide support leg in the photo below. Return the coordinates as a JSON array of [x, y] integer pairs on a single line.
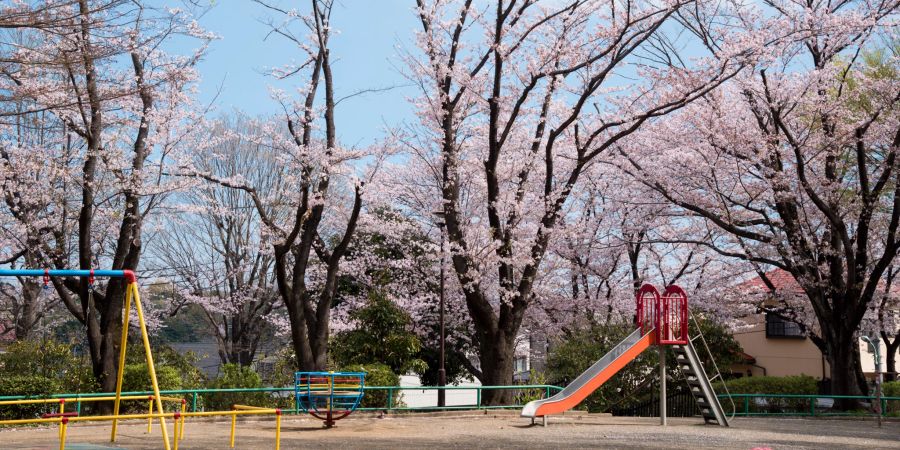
[[662, 385]]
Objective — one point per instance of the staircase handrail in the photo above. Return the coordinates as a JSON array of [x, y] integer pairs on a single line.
[[715, 366]]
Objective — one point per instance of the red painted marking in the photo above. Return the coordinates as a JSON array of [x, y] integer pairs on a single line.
[[130, 277]]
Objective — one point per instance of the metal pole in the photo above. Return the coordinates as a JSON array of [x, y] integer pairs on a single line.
[[875, 347], [442, 372], [662, 385], [878, 406]]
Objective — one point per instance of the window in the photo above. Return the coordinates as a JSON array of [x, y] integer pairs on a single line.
[[776, 327], [521, 363]]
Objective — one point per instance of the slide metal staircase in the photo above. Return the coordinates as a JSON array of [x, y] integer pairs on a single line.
[[699, 384]]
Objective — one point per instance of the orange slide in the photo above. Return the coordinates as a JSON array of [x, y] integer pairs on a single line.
[[591, 379]]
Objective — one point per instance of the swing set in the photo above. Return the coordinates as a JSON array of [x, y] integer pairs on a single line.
[[132, 295]]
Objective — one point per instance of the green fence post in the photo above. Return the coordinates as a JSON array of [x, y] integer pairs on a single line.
[[390, 399], [812, 406], [478, 398], [548, 392], [194, 401], [746, 406], [883, 406]]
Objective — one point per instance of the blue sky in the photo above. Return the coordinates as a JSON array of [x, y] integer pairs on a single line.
[[364, 55]]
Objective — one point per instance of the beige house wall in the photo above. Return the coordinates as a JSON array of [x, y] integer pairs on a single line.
[[868, 358], [779, 356]]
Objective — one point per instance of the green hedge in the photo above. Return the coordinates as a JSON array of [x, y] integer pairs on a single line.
[[31, 385], [799, 384], [236, 376], [891, 389], [378, 375]]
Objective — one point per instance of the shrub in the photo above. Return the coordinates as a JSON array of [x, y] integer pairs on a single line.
[[47, 360], [383, 333], [136, 378], [40, 369], [523, 396], [378, 375], [30, 385], [164, 355], [891, 389], [799, 384], [236, 376]]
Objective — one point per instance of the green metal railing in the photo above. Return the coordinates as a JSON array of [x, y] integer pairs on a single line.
[[193, 396], [750, 405]]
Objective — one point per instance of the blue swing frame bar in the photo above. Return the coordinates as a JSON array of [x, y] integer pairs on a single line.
[[128, 275]]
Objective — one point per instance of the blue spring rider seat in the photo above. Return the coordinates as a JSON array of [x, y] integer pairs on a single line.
[[329, 396]]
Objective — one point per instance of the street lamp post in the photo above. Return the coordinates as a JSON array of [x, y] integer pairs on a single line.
[[875, 347], [442, 372]]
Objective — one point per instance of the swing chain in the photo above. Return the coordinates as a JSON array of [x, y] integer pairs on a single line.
[[46, 279]]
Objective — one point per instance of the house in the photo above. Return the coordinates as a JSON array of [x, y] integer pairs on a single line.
[[530, 356], [778, 347]]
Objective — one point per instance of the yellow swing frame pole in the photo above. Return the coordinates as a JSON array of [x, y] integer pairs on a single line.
[[159, 407], [126, 313], [132, 293]]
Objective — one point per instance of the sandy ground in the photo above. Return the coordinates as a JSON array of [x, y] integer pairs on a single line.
[[478, 430]]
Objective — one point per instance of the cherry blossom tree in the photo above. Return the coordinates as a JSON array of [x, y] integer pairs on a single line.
[[215, 249], [121, 107], [322, 190], [792, 165], [518, 100]]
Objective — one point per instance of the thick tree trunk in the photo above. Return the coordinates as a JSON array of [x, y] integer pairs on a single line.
[[843, 357], [890, 357], [311, 352], [890, 372], [28, 318], [497, 356]]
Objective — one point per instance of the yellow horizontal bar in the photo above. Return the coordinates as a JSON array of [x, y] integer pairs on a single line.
[[247, 408], [142, 416], [27, 421]]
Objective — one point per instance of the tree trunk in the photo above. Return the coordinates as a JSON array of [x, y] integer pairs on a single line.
[[497, 356], [843, 357], [891, 347], [28, 318], [311, 352], [890, 373]]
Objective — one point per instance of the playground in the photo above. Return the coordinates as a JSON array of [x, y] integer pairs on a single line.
[[662, 322], [491, 430]]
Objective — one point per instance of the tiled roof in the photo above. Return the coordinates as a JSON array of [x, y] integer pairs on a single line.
[[785, 283], [781, 279]]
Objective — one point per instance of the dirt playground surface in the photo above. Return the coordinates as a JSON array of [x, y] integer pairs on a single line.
[[479, 430]]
